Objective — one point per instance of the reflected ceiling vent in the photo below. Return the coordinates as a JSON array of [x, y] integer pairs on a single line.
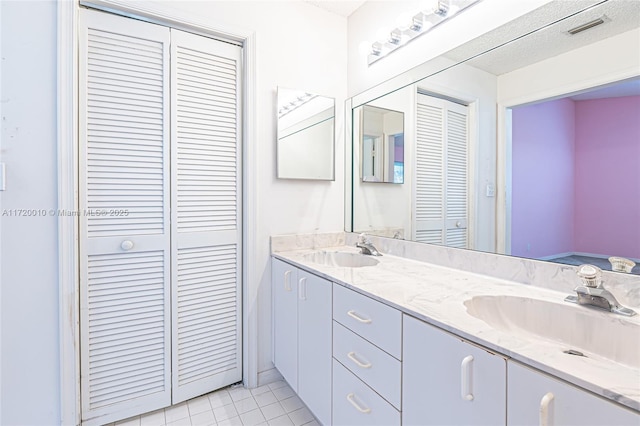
[[588, 25]]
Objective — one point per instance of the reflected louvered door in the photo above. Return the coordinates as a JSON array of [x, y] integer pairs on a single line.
[[206, 159], [456, 176], [124, 217], [429, 188], [440, 197]]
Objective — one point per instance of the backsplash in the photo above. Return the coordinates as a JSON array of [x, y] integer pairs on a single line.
[[307, 241]]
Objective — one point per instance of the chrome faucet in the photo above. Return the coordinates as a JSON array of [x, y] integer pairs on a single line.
[[366, 247], [593, 293]]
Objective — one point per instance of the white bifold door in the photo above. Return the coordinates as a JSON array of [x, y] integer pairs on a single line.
[[160, 216], [441, 188]]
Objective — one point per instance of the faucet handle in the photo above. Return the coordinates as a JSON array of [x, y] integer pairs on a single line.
[[364, 239], [590, 275]]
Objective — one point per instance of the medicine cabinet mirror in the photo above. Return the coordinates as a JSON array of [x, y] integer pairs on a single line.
[[382, 145], [305, 141]]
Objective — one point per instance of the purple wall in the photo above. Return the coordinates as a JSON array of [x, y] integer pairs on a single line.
[[542, 179], [607, 199]]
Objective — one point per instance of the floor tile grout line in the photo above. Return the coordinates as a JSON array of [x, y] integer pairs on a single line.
[[234, 403]]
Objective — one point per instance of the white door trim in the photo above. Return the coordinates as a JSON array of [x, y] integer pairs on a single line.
[[68, 266], [67, 142]]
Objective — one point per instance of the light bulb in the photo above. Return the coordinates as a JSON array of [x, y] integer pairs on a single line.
[[395, 36], [417, 22], [376, 48]]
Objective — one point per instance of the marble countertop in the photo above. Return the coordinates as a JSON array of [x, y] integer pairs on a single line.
[[437, 295]]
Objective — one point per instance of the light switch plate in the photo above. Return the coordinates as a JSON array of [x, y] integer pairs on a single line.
[[491, 190]]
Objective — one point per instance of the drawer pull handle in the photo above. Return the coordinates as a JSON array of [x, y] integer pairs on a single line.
[[302, 288], [357, 317], [546, 410], [352, 357], [352, 400], [287, 281], [467, 378]]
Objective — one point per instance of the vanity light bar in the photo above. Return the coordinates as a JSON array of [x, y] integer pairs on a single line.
[[420, 24]]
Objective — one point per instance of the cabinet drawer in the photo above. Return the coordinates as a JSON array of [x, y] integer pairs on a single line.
[[375, 367], [354, 403], [378, 323]]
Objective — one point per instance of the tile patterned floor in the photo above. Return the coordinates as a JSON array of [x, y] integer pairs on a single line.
[[275, 404]]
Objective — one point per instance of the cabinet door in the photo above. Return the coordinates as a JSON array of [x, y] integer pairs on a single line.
[[538, 399], [285, 320], [314, 344], [447, 381]]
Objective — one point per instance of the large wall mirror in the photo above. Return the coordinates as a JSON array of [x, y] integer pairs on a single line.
[[305, 143], [530, 148]]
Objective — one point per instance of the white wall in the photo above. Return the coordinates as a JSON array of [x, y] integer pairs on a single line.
[[29, 310], [298, 46], [1, 133]]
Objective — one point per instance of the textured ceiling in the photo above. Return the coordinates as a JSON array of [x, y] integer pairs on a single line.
[[342, 8], [623, 15]]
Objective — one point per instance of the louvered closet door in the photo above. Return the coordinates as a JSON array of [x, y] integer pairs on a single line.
[[440, 199], [206, 219], [124, 222]]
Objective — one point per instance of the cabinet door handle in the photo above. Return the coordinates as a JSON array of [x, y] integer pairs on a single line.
[[287, 280], [352, 400], [546, 410], [352, 357], [302, 288], [359, 318], [467, 378]]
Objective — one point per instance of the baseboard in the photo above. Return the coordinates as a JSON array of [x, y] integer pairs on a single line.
[[579, 253], [602, 256], [269, 376], [555, 256]]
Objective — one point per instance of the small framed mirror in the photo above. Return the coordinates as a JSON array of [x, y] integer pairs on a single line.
[[306, 129], [382, 145]]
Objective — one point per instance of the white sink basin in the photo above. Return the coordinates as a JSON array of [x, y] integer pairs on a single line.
[[575, 327], [341, 259]]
